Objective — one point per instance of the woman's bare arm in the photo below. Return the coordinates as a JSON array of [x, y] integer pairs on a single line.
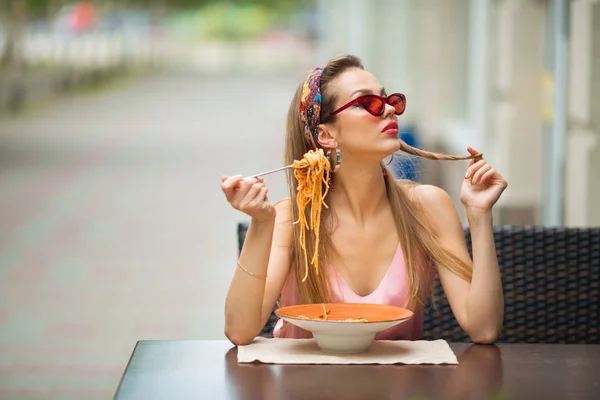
[[250, 299], [479, 305]]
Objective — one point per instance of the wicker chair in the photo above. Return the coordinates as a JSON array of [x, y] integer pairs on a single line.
[[551, 282]]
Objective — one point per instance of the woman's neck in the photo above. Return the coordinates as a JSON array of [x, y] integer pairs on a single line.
[[359, 190]]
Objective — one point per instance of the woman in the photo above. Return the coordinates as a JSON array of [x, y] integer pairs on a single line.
[[381, 240]]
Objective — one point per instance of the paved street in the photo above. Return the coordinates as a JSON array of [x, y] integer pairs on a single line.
[[113, 227]]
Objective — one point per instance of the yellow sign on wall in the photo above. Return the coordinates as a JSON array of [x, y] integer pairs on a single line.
[[547, 98]]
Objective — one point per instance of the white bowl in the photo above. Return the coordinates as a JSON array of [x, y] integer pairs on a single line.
[[337, 335]]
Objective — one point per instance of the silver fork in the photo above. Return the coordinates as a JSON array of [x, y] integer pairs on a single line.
[[273, 171], [335, 159]]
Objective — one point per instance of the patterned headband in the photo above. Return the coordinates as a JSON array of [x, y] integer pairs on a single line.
[[310, 105]]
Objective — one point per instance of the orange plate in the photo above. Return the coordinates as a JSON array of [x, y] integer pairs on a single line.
[[343, 311]]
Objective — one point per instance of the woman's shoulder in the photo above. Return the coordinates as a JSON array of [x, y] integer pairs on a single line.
[[284, 210], [426, 195], [407, 184]]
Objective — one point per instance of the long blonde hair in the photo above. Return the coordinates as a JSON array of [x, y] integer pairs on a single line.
[[416, 236]]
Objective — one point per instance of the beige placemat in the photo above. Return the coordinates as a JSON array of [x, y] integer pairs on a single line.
[[306, 351]]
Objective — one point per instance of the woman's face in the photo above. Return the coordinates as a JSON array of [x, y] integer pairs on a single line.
[[355, 131]]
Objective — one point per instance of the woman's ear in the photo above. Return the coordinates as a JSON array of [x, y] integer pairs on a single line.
[[326, 137]]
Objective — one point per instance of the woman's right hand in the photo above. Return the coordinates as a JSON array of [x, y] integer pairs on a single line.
[[248, 196]]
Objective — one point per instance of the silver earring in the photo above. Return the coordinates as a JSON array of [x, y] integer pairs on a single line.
[[334, 160]]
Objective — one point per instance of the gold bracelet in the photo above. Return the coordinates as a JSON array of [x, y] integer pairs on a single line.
[[250, 273]]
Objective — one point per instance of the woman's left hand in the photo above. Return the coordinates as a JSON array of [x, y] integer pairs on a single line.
[[482, 185]]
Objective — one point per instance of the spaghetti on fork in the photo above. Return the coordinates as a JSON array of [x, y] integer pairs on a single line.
[[312, 190]]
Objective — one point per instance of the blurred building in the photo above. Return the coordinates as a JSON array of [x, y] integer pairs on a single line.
[[481, 73]]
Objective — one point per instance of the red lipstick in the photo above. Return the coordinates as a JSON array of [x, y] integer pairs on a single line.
[[391, 128]]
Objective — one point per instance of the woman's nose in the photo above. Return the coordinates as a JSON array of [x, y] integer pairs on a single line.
[[388, 110]]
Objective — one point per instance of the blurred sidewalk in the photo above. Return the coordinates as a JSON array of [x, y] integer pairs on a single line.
[[114, 227]]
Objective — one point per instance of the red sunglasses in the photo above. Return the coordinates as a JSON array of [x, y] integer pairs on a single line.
[[375, 105]]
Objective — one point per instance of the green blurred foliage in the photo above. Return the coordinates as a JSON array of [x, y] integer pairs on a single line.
[[229, 20], [199, 19], [37, 7], [191, 20], [234, 21]]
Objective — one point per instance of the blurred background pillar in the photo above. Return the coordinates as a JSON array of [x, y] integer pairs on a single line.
[[479, 62], [555, 137], [517, 50], [594, 202], [581, 184]]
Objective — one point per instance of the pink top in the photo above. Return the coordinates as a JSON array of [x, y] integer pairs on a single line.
[[392, 291]]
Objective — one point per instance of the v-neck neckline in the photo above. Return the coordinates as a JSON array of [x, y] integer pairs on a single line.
[[383, 279]]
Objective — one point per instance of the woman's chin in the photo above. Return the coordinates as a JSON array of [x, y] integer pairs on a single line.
[[392, 146]]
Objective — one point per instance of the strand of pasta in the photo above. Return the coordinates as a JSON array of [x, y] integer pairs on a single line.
[[311, 181]]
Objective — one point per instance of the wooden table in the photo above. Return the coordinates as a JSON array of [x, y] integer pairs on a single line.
[[180, 370]]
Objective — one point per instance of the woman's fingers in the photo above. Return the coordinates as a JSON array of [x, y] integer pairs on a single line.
[[473, 168], [235, 188], [229, 184], [242, 190], [472, 151], [248, 196], [490, 173], [260, 199], [480, 172], [251, 194]]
